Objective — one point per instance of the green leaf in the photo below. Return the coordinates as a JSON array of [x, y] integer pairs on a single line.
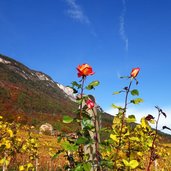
[[117, 92], [75, 84], [92, 85], [79, 168], [59, 138], [82, 140], [130, 119], [87, 123], [57, 154], [89, 87], [67, 119], [116, 107], [107, 163], [137, 101], [79, 101], [135, 92], [87, 166], [69, 147], [124, 77]]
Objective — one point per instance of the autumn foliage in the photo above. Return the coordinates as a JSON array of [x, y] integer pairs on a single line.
[[126, 145]]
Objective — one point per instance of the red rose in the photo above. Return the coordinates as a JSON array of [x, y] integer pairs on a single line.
[[90, 104], [84, 70], [135, 72]]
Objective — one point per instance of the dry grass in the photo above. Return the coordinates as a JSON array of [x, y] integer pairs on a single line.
[[47, 147], [47, 142]]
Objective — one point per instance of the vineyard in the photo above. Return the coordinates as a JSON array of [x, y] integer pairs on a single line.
[[46, 147], [124, 146]]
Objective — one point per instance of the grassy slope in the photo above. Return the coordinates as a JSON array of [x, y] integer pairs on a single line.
[[33, 101]]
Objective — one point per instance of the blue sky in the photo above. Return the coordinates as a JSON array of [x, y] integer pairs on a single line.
[[113, 36]]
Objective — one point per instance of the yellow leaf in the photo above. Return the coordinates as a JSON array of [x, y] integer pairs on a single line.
[[24, 147], [114, 137], [140, 153], [116, 120], [21, 168], [2, 161], [29, 165], [133, 164], [8, 144], [32, 141], [10, 132], [144, 123]]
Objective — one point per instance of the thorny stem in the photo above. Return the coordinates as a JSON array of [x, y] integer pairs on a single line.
[[153, 143], [96, 140], [95, 123], [81, 151], [123, 117], [82, 89], [124, 112], [129, 151]]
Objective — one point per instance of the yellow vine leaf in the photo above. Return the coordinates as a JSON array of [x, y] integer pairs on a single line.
[[114, 137], [21, 168], [10, 132]]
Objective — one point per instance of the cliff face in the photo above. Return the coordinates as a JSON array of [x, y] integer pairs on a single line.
[[31, 93]]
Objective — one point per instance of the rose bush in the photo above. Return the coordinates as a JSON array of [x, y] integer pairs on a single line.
[[126, 146], [129, 146]]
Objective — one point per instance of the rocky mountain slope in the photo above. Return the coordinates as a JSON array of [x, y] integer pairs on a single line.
[[33, 97]]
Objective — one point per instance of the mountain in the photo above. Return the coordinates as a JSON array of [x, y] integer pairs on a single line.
[[33, 97]]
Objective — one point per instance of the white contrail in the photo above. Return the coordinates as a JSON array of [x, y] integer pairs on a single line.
[[122, 25], [75, 12]]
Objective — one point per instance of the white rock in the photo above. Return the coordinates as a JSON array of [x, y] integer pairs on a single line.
[[46, 128], [4, 61], [68, 91], [42, 76]]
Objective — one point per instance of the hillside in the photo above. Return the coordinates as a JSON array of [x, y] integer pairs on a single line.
[[32, 97]]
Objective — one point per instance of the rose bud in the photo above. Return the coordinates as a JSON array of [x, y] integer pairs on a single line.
[[90, 104], [135, 72], [149, 117]]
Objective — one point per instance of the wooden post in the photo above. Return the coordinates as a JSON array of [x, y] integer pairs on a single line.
[[37, 164], [92, 150], [4, 167], [156, 164]]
